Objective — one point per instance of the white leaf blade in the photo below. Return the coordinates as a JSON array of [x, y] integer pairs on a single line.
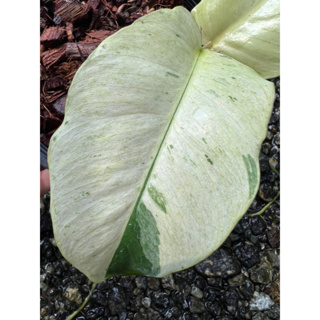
[[247, 30], [119, 192]]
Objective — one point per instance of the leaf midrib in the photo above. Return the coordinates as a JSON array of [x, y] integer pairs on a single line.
[[164, 137]]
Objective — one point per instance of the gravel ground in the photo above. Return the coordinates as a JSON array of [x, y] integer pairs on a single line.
[[241, 280]]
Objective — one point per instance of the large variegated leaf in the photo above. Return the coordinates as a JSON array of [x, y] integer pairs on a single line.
[[247, 30], [157, 157]]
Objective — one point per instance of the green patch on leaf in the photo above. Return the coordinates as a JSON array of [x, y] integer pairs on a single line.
[[209, 160], [138, 251], [194, 164], [81, 195], [252, 173], [171, 74], [158, 198], [214, 92]]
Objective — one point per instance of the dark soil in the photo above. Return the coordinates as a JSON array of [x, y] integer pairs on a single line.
[[241, 280]]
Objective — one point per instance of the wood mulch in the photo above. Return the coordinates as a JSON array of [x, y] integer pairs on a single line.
[[70, 31]]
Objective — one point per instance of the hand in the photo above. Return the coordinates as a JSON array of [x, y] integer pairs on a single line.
[[44, 182]]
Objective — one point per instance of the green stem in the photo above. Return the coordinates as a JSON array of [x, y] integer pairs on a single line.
[[83, 304], [270, 203], [274, 170], [265, 208]]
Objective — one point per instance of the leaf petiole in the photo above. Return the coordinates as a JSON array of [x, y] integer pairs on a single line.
[[83, 304], [266, 207]]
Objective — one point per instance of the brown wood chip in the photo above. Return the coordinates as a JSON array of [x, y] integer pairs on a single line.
[[52, 35], [54, 95], [53, 83], [68, 10], [67, 70], [53, 56], [97, 36], [79, 50]]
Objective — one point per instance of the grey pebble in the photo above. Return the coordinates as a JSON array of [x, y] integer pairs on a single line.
[[117, 300], [172, 313], [266, 192], [195, 305], [264, 167], [136, 291], [141, 282], [237, 280], [258, 225], [196, 292], [265, 148], [247, 253], [220, 264], [277, 139], [247, 289], [273, 257], [49, 268], [213, 308], [160, 300], [168, 282], [146, 301], [230, 300], [153, 284], [44, 311], [260, 316], [72, 294], [274, 237], [273, 312], [260, 302], [274, 150], [262, 273]]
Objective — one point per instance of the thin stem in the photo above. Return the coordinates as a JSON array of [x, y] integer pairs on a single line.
[[270, 203], [274, 170], [83, 304], [265, 208]]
